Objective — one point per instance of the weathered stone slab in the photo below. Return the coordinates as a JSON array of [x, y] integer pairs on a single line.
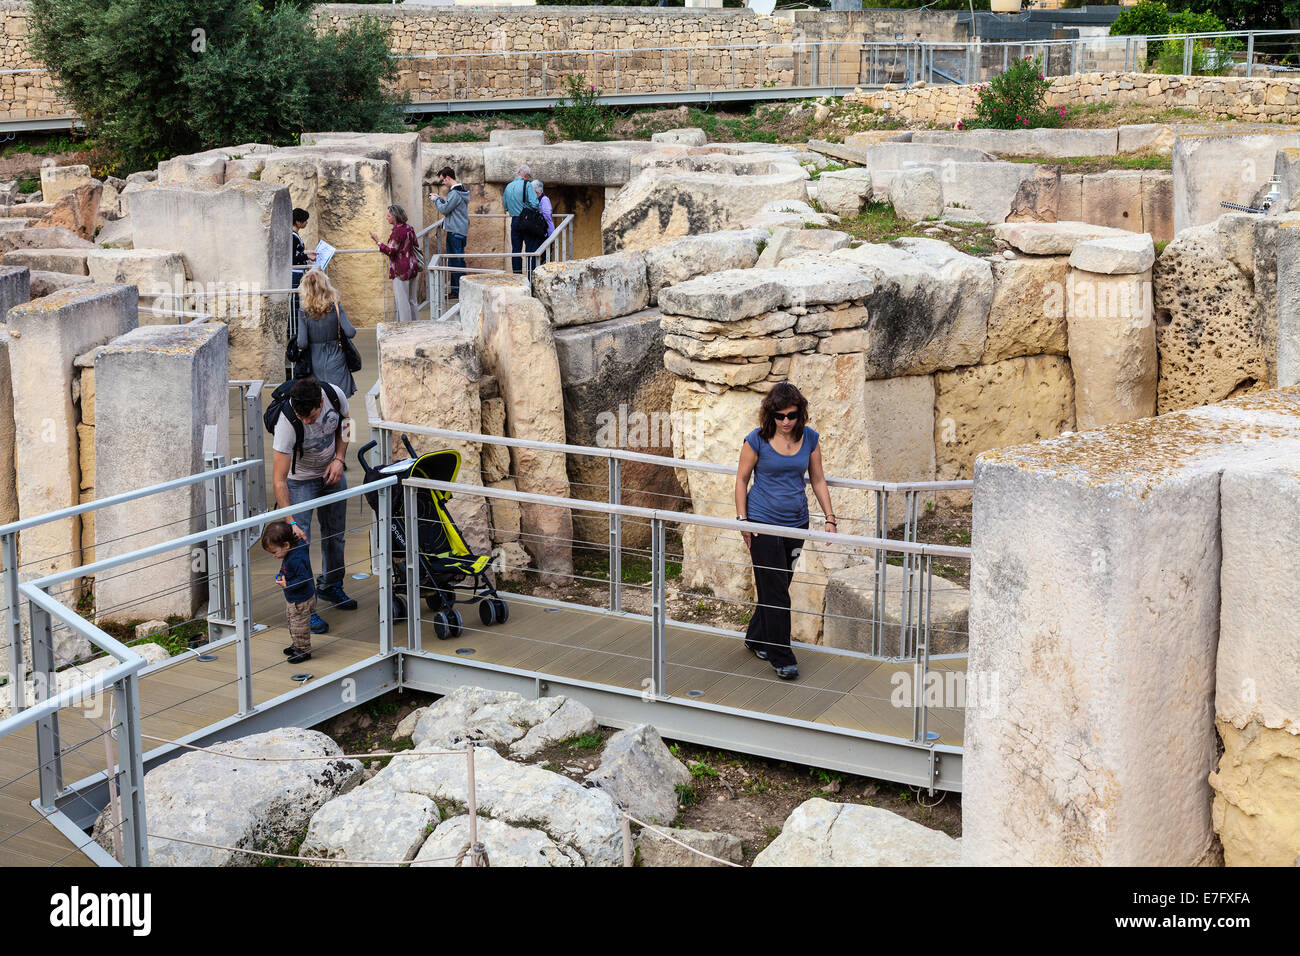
[[1129, 255], [917, 193], [151, 271], [72, 261], [1045, 143], [1112, 347], [844, 192], [786, 242], [726, 296], [505, 846], [691, 256], [183, 368], [592, 290], [1052, 238], [58, 181], [657, 850], [1210, 168], [47, 335], [930, 307], [687, 136], [517, 345]]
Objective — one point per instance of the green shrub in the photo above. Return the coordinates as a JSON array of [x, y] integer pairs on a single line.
[[155, 78], [580, 115], [1015, 99], [1145, 18]]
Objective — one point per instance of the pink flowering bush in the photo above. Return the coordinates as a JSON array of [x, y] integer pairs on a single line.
[[1016, 99]]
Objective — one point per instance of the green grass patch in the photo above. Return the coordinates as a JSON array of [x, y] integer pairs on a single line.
[[584, 742], [686, 794], [29, 184]]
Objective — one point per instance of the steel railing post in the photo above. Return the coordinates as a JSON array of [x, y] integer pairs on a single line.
[[1187, 56], [921, 664], [615, 537], [1250, 52], [217, 553], [130, 766], [413, 635], [385, 558], [659, 611], [242, 574], [255, 447], [13, 624], [49, 754], [881, 564]]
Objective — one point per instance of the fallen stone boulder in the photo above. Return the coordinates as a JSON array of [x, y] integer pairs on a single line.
[[499, 717], [844, 192], [77, 211], [569, 813], [58, 181], [638, 771], [917, 193], [504, 845], [820, 833], [583, 291], [370, 823], [787, 242], [47, 283], [41, 237], [247, 804], [657, 850]]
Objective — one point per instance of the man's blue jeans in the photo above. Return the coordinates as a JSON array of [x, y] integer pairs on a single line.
[[456, 249], [332, 520]]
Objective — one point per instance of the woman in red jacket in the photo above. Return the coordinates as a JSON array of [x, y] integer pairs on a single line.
[[402, 250]]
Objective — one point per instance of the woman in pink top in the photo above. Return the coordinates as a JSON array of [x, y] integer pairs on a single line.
[[402, 250]]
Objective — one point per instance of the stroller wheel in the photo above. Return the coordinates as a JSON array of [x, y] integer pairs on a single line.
[[442, 625], [487, 612], [457, 623], [503, 610], [399, 607]]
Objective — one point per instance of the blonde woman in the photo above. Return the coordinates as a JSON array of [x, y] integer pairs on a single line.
[[321, 326]]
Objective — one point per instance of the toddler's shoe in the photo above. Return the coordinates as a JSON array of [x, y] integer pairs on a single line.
[[297, 657]]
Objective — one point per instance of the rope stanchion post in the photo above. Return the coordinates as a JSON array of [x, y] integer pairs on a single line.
[[475, 850], [626, 823]]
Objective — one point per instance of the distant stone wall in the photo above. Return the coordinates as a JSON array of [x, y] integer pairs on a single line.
[[785, 50], [1214, 97]]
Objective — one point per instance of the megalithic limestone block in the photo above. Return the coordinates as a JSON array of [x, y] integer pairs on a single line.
[[429, 375], [1094, 618], [236, 243], [1257, 678], [1112, 347], [156, 388]]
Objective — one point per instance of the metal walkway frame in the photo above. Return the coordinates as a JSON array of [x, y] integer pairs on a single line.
[[72, 808]]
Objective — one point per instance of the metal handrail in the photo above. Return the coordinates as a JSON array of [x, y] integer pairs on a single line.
[[378, 423], [704, 521]]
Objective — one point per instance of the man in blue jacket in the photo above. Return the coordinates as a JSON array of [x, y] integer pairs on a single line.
[[517, 195], [454, 207]]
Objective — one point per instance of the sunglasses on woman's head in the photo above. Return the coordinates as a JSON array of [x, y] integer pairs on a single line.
[[786, 416]]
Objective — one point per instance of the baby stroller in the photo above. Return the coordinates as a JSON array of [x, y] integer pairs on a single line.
[[445, 560]]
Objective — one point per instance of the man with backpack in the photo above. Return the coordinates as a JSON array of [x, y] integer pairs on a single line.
[[527, 227], [310, 442]]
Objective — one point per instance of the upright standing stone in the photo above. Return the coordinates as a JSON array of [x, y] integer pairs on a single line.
[[156, 389], [47, 336], [236, 243], [1257, 694], [429, 375], [15, 288], [1112, 342], [1093, 624], [517, 344]]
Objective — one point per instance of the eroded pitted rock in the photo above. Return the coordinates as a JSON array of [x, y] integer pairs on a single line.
[[498, 717], [1210, 329], [370, 823], [637, 771], [505, 845]]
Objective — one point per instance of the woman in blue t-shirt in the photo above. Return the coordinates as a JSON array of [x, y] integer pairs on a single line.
[[777, 454]]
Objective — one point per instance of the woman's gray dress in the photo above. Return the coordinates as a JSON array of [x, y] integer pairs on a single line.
[[322, 335]]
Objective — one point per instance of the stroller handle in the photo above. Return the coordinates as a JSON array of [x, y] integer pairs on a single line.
[[365, 450]]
